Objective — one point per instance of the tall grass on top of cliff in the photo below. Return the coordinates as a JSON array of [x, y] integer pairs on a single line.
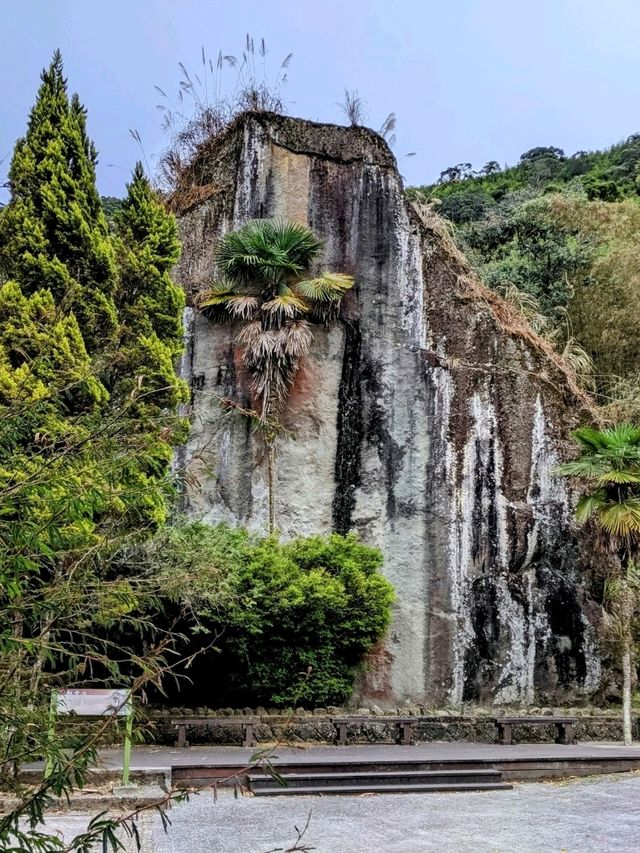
[[209, 98]]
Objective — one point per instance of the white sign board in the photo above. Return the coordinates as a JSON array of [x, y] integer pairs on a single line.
[[92, 703]]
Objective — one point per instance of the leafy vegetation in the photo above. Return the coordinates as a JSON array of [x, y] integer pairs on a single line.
[[561, 231], [91, 321], [267, 289], [609, 463], [291, 621], [90, 326], [110, 205]]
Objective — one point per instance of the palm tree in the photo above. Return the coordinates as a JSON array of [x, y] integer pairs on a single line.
[[609, 462], [266, 288]]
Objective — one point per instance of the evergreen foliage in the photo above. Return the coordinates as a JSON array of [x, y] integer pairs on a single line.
[[293, 620], [111, 205], [92, 322], [90, 327], [149, 305], [53, 233], [561, 232]]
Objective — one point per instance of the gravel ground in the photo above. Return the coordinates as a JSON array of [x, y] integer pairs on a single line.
[[597, 814]]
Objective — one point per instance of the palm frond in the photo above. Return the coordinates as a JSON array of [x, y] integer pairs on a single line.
[[284, 306], [217, 287], [327, 287], [272, 246], [298, 338], [619, 476], [259, 343], [621, 519], [590, 437], [297, 241], [207, 300], [588, 505], [243, 307], [588, 467], [621, 436]]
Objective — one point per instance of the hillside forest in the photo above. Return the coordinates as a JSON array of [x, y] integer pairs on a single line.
[[556, 235]]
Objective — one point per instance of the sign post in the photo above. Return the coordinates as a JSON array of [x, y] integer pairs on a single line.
[[93, 703], [128, 731], [48, 759]]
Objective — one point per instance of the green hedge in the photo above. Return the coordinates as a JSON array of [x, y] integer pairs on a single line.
[[291, 621]]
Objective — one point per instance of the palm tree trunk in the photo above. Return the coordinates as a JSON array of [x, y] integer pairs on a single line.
[[271, 471], [626, 693], [270, 434], [626, 662]]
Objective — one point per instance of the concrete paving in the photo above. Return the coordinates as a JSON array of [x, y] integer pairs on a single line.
[[594, 815], [150, 757]]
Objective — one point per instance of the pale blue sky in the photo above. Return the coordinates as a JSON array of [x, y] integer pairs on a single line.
[[469, 80]]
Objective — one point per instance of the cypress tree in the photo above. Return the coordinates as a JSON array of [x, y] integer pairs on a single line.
[[92, 321], [150, 308], [53, 233]]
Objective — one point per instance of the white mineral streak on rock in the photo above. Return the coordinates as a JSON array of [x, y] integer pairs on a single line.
[[546, 492], [186, 359], [593, 675], [251, 186], [458, 539], [414, 320], [548, 497], [528, 623], [433, 499], [514, 684], [482, 461]]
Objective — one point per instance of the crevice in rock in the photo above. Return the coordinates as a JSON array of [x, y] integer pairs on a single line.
[[349, 430]]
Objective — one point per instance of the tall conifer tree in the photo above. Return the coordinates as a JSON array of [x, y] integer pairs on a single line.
[[53, 234], [150, 309], [149, 304], [92, 321]]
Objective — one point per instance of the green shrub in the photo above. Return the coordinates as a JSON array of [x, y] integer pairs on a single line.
[[292, 621]]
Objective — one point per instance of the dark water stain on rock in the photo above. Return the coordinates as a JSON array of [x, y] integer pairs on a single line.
[[349, 429], [437, 441]]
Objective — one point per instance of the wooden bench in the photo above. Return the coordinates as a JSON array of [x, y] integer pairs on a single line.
[[564, 727], [404, 726], [247, 724]]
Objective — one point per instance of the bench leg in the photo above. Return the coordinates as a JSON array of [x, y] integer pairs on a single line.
[[182, 736], [342, 733], [405, 734], [504, 733], [565, 733], [248, 734]]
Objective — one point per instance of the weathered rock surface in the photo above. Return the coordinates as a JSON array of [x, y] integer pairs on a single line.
[[428, 420]]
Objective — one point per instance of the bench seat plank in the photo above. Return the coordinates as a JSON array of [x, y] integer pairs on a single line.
[[403, 724], [247, 724], [564, 727]]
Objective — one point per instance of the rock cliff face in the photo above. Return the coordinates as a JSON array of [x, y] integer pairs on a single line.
[[427, 420]]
